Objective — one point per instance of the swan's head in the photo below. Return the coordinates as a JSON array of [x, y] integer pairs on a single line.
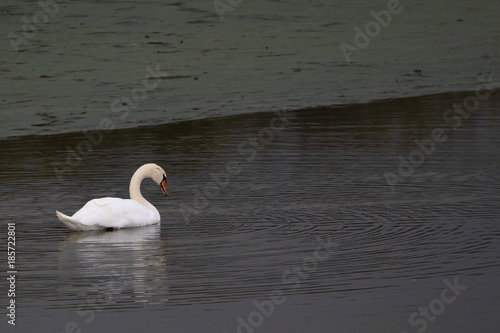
[[160, 177]]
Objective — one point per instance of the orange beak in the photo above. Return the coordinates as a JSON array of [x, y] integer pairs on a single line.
[[163, 186]]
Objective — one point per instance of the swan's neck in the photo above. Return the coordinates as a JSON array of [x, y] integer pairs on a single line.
[[135, 187]]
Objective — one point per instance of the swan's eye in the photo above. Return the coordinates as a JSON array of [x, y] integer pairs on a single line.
[[164, 177]]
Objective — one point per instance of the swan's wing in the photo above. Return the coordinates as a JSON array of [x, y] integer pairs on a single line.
[[115, 213], [74, 224]]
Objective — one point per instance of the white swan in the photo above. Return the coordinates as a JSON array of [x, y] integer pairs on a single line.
[[119, 213]]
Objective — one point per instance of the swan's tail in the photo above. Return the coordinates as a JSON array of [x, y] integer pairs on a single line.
[[74, 224]]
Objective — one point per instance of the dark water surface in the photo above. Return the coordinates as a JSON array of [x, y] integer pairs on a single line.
[[302, 215], [71, 68]]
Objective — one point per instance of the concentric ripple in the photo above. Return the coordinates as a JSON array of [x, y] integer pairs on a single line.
[[310, 216]]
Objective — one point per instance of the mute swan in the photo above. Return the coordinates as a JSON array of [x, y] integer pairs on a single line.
[[119, 213]]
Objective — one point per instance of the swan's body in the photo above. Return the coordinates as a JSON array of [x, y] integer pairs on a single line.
[[119, 213]]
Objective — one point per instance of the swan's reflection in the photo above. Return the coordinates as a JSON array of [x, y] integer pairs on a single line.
[[122, 268], [129, 235]]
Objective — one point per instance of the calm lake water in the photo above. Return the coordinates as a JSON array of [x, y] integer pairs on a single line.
[[309, 192], [275, 222]]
